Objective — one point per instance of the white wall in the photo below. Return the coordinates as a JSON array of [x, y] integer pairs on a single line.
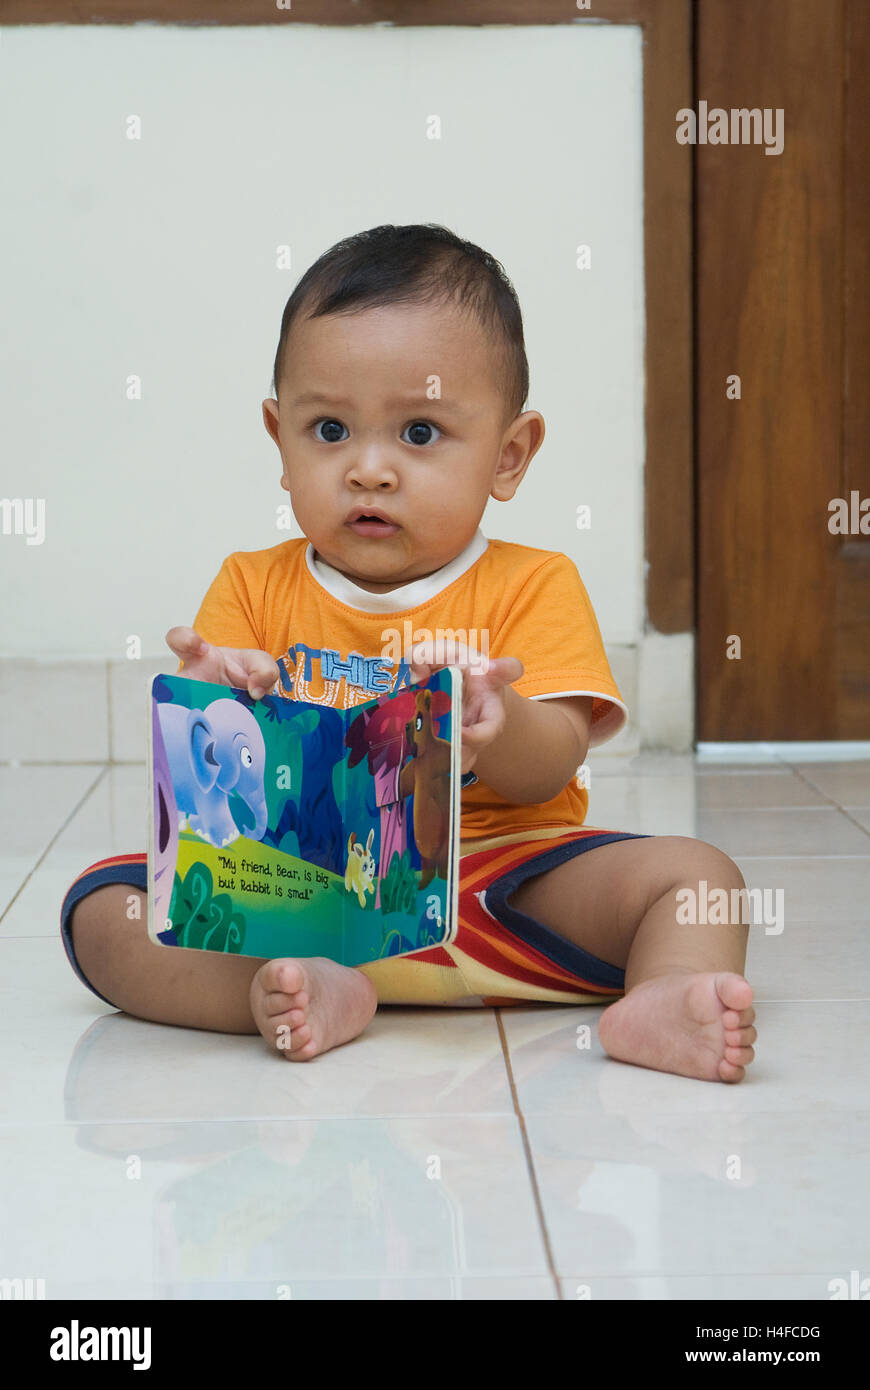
[[156, 257]]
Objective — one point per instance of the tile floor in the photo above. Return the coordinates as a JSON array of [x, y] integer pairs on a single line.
[[453, 1153]]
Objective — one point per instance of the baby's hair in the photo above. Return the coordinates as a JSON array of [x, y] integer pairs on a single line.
[[416, 264]]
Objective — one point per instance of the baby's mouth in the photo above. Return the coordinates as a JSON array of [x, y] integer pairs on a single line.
[[373, 526]]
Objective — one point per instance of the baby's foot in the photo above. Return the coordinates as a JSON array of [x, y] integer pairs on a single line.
[[694, 1025], [304, 1007]]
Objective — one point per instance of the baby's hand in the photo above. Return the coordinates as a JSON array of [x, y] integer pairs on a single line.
[[243, 667], [484, 681]]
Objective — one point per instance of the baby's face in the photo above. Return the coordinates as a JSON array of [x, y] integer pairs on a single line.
[[358, 427]]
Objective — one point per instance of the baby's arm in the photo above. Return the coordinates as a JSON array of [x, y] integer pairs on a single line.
[[526, 750], [540, 748]]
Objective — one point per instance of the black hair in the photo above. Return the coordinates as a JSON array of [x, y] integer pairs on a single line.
[[416, 264]]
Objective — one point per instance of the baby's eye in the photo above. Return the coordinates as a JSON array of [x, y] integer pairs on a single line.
[[246, 756], [331, 425], [422, 425]]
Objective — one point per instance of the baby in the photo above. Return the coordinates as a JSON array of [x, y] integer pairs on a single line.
[[400, 380]]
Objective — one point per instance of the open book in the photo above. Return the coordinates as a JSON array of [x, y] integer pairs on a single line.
[[282, 828]]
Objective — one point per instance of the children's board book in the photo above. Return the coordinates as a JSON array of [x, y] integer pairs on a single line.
[[282, 828]]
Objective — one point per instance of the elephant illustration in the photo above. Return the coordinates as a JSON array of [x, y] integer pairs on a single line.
[[218, 757]]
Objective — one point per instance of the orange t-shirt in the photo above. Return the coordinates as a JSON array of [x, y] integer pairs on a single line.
[[337, 644]]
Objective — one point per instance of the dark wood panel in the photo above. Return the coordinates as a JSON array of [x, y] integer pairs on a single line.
[[853, 551], [769, 279], [853, 640], [235, 12], [669, 483], [856, 251]]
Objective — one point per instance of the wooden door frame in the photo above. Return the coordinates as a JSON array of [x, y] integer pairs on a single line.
[[667, 25]]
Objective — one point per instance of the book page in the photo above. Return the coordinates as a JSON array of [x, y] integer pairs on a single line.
[[283, 828]]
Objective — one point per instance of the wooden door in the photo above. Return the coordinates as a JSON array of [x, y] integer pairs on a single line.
[[782, 278]]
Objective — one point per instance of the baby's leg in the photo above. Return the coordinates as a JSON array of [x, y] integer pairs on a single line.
[[687, 1007], [301, 1007]]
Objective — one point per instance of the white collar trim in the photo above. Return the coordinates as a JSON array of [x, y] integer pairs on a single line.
[[409, 595]]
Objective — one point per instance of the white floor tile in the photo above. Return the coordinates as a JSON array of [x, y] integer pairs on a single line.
[[676, 800], [808, 1057], [661, 764], [714, 1288], [72, 1058], [35, 803], [405, 1288], [805, 830], [643, 805], [202, 1204], [679, 804], [111, 821], [816, 890], [810, 960], [846, 783], [631, 1200]]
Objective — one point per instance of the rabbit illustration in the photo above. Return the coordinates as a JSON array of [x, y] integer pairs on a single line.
[[360, 867]]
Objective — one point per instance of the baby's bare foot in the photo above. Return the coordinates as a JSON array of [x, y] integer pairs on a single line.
[[304, 1007], [694, 1025]]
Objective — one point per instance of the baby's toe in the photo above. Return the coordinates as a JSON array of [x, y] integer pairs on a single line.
[[728, 1071], [287, 977], [292, 1032], [276, 1003], [739, 1018], [740, 1037], [294, 1018], [301, 1041], [734, 991]]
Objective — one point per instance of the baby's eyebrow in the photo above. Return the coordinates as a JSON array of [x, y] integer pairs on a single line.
[[410, 403]]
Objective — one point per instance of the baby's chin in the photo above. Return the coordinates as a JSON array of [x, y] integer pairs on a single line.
[[381, 579]]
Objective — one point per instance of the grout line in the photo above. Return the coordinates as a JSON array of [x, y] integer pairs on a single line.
[[65, 762], [834, 803], [55, 837], [529, 1160], [109, 722]]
